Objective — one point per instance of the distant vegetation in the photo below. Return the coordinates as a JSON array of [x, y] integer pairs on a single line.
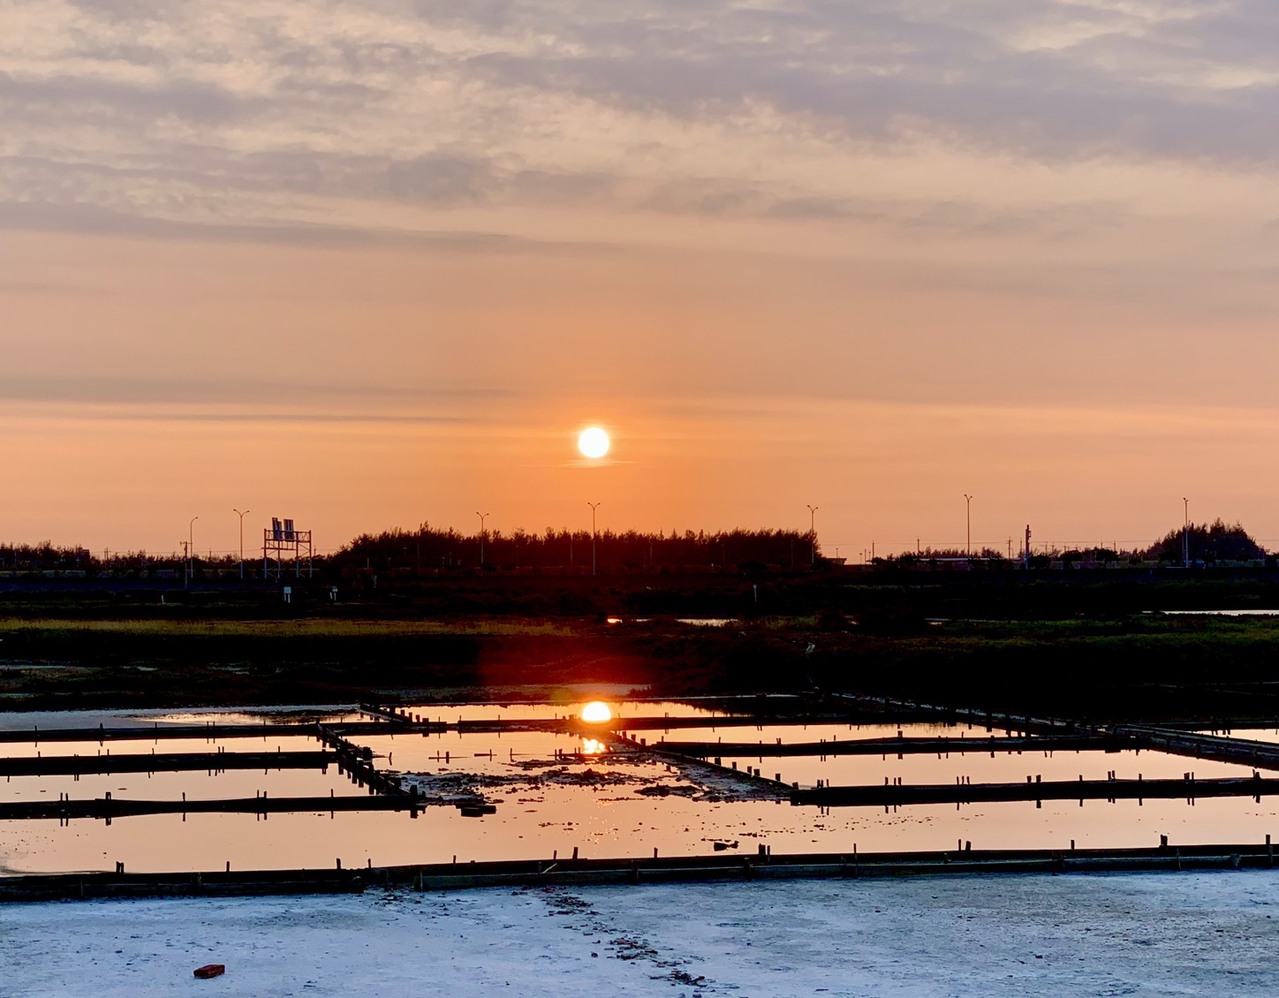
[[429, 549], [1216, 541], [432, 552], [1208, 543]]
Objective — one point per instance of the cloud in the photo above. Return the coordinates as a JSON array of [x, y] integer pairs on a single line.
[[90, 219], [239, 399], [229, 120]]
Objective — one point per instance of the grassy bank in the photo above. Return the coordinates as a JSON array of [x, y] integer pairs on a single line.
[[1140, 666]]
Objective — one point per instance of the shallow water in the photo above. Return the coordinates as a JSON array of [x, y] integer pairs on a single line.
[[199, 785], [1270, 735], [606, 824], [606, 806], [515, 710], [146, 744], [1002, 767], [35, 720]]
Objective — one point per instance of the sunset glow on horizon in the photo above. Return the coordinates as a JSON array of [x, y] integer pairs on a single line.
[[375, 266]]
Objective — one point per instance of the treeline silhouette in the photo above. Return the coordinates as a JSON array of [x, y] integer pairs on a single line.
[[1200, 543], [432, 551], [1209, 542], [429, 550]]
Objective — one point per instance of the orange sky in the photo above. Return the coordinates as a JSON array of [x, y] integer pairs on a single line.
[[377, 267]]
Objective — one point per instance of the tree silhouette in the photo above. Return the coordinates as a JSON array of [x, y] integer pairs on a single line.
[[1216, 541]]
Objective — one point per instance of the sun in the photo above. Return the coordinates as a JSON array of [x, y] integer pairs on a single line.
[[593, 442]]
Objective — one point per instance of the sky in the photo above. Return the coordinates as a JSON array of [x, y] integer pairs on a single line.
[[370, 265]]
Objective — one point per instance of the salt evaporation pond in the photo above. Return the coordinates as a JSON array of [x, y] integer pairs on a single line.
[[143, 719], [604, 824], [983, 767], [1270, 735], [613, 805], [515, 710], [197, 785], [164, 746]]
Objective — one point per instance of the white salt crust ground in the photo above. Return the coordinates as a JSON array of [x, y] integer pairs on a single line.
[[1148, 934]]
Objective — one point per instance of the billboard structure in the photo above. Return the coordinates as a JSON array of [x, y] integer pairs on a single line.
[[283, 543]]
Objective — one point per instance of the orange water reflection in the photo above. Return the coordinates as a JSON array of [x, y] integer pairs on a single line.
[[593, 746], [597, 712], [613, 813]]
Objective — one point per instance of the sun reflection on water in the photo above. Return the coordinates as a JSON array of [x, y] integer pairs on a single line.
[[597, 712], [593, 746]]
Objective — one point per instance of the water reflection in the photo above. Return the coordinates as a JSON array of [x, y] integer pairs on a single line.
[[512, 709], [235, 783], [607, 824], [1270, 735], [557, 791], [596, 712]]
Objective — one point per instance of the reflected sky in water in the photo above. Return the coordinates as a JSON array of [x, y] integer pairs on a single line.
[[606, 824], [607, 805]]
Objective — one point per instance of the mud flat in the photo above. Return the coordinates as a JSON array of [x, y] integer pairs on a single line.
[[1149, 934]]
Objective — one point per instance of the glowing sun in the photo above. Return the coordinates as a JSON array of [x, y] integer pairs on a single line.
[[593, 442], [596, 712]]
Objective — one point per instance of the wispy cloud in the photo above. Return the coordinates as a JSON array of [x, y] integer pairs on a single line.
[[294, 397], [225, 119]]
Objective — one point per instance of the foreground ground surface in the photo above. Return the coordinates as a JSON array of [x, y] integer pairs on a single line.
[[1156, 934]]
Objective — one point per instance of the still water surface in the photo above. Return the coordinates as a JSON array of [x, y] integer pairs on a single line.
[[607, 806]]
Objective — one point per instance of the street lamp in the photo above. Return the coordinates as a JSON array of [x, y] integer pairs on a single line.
[[812, 535], [191, 548], [968, 515], [242, 515], [594, 506], [483, 517], [1185, 532]]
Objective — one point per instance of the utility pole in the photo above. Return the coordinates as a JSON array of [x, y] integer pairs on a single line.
[[594, 506], [483, 517], [1185, 533], [191, 549], [243, 514], [812, 536], [968, 511]]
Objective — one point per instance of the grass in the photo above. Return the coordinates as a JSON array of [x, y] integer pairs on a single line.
[[304, 628], [1128, 665]]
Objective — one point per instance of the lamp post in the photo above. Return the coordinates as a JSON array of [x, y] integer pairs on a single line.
[[1185, 532], [594, 506], [812, 535], [242, 515], [191, 549], [968, 516], [483, 517]]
